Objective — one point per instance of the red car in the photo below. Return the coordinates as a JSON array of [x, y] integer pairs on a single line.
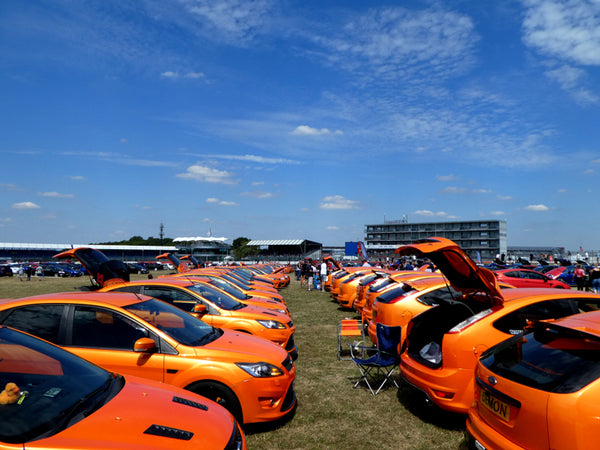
[[526, 278]]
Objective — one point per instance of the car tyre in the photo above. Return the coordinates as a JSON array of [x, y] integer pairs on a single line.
[[220, 394]]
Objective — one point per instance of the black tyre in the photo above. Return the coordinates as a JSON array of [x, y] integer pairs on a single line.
[[220, 394]]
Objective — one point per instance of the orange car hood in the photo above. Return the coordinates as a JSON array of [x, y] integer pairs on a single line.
[[245, 347], [126, 419], [460, 270]]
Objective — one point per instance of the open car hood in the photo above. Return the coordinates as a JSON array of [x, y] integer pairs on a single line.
[[103, 270], [181, 266], [460, 270]]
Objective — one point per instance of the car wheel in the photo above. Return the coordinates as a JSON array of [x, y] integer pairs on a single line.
[[220, 394]]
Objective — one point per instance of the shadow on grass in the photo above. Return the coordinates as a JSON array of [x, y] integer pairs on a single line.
[[265, 427], [419, 405]]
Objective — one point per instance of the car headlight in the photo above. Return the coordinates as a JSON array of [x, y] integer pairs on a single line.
[[261, 369], [273, 324]]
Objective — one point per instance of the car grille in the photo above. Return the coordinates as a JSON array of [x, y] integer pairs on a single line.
[[289, 400], [290, 343], [290, 323], [288, 363]]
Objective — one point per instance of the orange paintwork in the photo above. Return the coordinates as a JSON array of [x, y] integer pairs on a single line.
[[348, 289], [443, 344], [185, 295], [399, 312], [164, 358], [394, 279], [527, 417], [123, 419]]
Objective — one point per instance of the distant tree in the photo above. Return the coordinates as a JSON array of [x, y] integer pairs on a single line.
[[139, 240], [240, 248]]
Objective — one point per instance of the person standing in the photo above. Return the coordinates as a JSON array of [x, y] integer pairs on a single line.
[[595, 278], [323, 275], [579, 275], [21, 273]]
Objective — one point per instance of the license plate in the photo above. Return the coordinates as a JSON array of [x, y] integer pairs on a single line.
[[496, 406]]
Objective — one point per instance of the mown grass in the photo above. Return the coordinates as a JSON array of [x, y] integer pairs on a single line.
[[330, 413]]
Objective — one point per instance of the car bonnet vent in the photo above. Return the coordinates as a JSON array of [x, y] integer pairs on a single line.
[[173, 433], [185, 401]]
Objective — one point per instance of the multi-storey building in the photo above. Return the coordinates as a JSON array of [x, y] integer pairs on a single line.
[[481, 239]]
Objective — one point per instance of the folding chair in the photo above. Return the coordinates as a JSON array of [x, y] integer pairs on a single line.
[[349, 329], [380, 367]]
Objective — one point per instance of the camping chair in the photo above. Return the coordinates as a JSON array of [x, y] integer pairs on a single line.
[[353, 330], [380, 367]]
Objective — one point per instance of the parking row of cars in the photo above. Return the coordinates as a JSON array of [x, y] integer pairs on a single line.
[[520, 363], [185, 353]]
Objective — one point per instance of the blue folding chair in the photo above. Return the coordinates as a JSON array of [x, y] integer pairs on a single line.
[[380, 367]]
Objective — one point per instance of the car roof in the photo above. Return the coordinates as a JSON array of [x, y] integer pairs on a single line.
[[118, 299]]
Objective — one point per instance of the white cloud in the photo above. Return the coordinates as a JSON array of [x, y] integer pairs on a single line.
[[176, 75], [25, 205], [10, 187], [450, 177], [212, 200], [220, 202], [77, 178], [258, 194], [207, 175], [497, 213], [537, 208], [55, 195], [254, 158], [565, 29], [227, 203], [305, 130], [333, 228], [503, 197], [453, 190], [337, 202]]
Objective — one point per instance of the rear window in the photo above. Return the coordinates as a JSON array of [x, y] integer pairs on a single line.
[[551, 358], [394, 293]]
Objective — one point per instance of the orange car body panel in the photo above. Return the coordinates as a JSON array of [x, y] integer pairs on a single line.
[[398, 277], [537, 418], [461, 351], [215, 361], [245, 319]]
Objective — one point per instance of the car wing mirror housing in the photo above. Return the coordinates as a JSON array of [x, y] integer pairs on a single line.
[[144, 345], [200, 309]]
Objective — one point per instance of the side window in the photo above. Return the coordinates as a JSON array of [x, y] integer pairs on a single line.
[[178, 298], [587, 304], [535, 276], [102, 328], [514, 322], [513, 274], [40, 320]]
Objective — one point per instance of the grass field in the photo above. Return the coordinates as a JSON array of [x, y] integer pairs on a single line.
[[330, 413]]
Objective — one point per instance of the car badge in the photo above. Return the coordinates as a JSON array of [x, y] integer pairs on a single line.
[[492, 381]]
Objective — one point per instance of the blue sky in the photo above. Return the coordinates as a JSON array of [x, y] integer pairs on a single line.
[[298, 119]]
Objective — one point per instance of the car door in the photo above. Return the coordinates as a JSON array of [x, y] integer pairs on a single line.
[[536, 280], [106, 337]]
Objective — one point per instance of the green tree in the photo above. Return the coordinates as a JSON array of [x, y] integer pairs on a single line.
[[240, 248]]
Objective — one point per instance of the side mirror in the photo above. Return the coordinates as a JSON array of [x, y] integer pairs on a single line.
[[200, 309], [144, 345]]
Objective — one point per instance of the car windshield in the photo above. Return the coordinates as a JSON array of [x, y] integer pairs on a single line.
[[216, 297], [552, 359], [57, 388], [179, 325], [227, 287]]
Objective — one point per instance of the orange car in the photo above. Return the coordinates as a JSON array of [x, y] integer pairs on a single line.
[[348, 288], [219, 310], [443, 343], [540, 389], [56, 393], [141, 336], [183, 270], [389, 283]]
